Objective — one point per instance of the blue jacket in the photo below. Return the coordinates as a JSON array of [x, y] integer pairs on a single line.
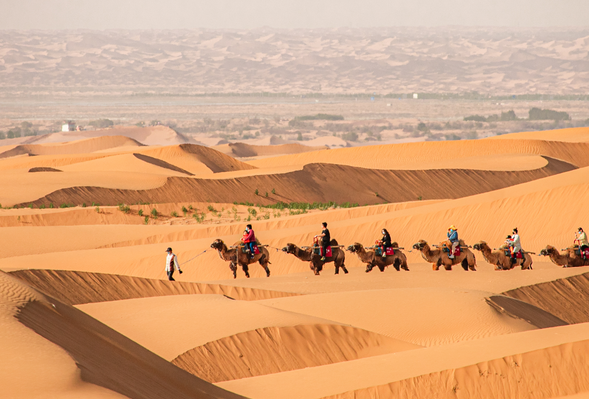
[[453, 236]]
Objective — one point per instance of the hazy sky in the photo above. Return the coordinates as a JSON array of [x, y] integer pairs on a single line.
[[191, 14]]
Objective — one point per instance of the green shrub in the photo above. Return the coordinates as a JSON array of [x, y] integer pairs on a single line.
[[211, 208], [256, 192], [273, 191], [154, 213], [97, 209], [51, 205], [266, 195], [42, 206], [174, 214], [184, 210], [146, 219], [140, 213]]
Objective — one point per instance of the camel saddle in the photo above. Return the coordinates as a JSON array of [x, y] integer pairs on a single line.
[[518, 255], [447, 249], [389, 251], [246, 249], [584, 254], [319, 251]]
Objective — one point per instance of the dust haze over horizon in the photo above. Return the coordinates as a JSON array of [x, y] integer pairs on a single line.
[[250, 14]]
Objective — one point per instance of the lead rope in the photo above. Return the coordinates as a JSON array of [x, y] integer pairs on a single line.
[[194, 257]]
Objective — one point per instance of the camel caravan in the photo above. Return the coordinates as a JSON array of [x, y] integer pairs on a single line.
[[384, 253]]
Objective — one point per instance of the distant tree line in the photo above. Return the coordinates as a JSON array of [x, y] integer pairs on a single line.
[[535, 114]]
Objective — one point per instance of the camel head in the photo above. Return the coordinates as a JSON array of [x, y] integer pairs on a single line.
[[548, 250], [479, 245], [355, 247], [290, 248], [218, 244], [419, 245]]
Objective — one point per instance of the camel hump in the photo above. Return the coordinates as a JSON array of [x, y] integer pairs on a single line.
[[462, 243], [395, 244], [333, 243]]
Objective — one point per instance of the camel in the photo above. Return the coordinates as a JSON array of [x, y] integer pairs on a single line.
[[236, 256], [502, 261], [315, 262], [439, 258], [371, 259], [569, 259]]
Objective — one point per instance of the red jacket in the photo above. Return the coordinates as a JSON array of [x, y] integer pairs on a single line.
[[250, 237]]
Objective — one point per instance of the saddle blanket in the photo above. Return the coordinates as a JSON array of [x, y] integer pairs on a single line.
[[456, 251], [584, 254], [246, 248], [390, 251], [518, 255], [319, 251]]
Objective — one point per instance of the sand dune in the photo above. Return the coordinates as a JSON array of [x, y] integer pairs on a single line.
[[99, 287], [547, 296], [519, 365], [428, 155], [315, 183], [108, 359], [571, 135], [244, 150], [278, 349], [85, 146]]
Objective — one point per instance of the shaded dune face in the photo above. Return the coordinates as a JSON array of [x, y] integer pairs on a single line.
[[277, 349], [74, 287], [317, 183], [108, 359]]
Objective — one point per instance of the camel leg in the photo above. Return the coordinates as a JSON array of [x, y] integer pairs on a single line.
[[264, 263], [369, 267], [404, 266], [245, 268], [396, 264], [381, 267], [233, 268], [465, 264], [336, 267], [343, 266]]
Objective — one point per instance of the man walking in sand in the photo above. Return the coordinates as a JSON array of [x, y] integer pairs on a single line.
[[171, 263]]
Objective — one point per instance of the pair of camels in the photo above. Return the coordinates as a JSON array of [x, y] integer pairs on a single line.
[[569, 259], [307, 254], [438, 257], [501, 259]]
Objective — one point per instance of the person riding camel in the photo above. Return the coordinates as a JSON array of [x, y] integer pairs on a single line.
[[581, 240], [453, 238], [249, 239], [515, 244], [385, 242], [325, 239]]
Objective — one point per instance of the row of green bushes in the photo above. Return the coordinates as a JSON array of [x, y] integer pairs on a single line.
[[534, 114]]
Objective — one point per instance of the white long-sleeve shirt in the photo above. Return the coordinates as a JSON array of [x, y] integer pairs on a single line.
[[172, 259], [515, 243]]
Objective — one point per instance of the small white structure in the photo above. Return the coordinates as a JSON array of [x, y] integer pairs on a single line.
[[68, 127], [415, 96]]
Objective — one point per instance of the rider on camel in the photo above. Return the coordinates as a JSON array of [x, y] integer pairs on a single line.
[[325, 239], [581, 240], [515, 244], [385, 242], [453, 238], [249, 239]]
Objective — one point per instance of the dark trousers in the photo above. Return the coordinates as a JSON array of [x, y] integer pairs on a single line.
[[170, 274], [324, 246]]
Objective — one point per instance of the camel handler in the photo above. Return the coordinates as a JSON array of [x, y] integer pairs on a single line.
[[171, 263], [249, 239], [325, 239], [453, 238], [515, 244], [581, 240], [385, 242]]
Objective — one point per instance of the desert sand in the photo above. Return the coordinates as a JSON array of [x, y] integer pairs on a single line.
[[87, 310]]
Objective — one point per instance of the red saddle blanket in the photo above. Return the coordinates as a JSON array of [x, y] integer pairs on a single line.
[[584, 254], [256, 249], [319, 251], [390, 251], [518, 255], [456, 251]]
